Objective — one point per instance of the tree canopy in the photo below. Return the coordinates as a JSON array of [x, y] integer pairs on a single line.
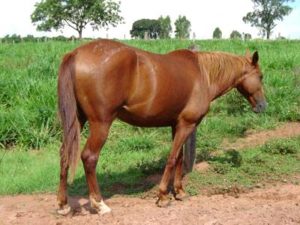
[[265, 13], [182, 27], [165, 26], [235, 35], [217, 34], [146, 27], [77, 14]]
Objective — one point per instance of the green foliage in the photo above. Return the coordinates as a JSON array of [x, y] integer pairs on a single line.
[[182, 27], [248, 167], [217, 34], [136, 143], [282, 147], [12, 38], [146, 28], [235, 35], [76, 14], [247, 36], [165, 26], [265, 14], [224, 162]]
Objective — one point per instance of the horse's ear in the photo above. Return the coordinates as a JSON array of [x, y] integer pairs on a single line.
[[255, 58]]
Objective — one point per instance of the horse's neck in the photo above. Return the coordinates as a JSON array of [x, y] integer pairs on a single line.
[[223, 71], [218, 88]]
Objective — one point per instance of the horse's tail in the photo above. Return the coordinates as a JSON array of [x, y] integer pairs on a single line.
[[190, 152], [67, 105]]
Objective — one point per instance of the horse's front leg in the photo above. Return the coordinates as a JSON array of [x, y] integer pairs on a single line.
[[184, 164], [182, 131]]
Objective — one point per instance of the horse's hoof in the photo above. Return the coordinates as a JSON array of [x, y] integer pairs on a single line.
[[64, 210], [101, 207], [180, 195], [163, 201]]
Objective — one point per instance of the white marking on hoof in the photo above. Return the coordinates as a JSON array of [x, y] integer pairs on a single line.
[[65, 210], [101, 207], [104, 208]]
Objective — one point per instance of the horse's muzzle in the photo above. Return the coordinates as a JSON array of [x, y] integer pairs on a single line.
[[260, 106]]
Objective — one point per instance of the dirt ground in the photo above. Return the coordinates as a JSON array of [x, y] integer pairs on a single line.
[[274, 204]]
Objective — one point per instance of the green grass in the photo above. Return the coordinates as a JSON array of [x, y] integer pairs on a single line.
[[274, 161], [125, 172], [30, 132]]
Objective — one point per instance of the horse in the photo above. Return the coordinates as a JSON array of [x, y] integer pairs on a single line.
[[104, 80]]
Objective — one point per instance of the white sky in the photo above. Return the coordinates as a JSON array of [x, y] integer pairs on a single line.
[[204, 15]]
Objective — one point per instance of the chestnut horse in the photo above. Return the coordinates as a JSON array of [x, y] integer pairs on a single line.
[[104, 80]]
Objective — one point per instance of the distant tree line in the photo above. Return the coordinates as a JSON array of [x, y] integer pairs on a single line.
[[217, 34], [14, 38]]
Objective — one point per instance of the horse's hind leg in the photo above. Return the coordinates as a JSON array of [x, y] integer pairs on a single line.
[[98, 135]]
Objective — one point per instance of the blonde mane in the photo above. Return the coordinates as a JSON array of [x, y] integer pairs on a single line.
[[221, 66]]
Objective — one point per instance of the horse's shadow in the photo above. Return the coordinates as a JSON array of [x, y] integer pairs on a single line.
[[117, 183]]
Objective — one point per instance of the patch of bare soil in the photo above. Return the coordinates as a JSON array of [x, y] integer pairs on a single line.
[[254, 139], [277, 204], [274, 205]]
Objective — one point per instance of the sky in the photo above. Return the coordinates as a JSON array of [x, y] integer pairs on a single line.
[[204, 15]]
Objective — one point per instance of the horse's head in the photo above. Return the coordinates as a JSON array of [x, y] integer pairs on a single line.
[[250, 85]]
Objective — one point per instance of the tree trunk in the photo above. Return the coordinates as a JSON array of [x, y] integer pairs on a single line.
[[79, 33], [268, 34]]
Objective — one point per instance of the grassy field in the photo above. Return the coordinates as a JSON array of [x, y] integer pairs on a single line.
[[30, 131]]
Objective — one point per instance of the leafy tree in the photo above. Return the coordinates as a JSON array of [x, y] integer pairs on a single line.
[[12, 39], [29, 38], [235, 35], [77, 14], [182, 27], [150, 27], [217, 34], [247, 36], [265, 13], [166, 27]]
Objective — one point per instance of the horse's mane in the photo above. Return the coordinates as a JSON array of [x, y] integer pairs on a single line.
[[221, 65]]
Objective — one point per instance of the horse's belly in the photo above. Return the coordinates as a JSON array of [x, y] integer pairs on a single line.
[[146, 119]]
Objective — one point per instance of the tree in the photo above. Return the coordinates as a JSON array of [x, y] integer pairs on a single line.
[[265, 13], [235, 35], [145, 26], [77, 14], [217, 34], [247, 36], [166, 27], [182, 27]]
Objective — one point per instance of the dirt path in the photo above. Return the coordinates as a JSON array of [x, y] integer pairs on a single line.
[[274, 204], [253, 139]]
